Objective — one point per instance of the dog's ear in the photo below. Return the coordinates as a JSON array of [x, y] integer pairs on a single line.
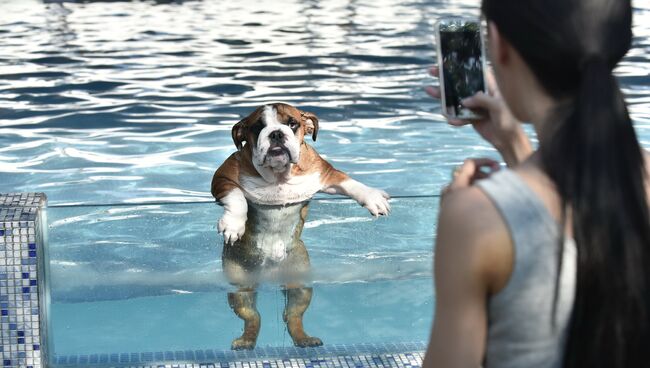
[[311, 124], [239, 133]]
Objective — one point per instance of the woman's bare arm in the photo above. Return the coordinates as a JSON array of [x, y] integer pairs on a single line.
[[473, 259]]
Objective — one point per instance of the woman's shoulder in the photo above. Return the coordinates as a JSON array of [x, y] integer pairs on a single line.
[[469, 206], [474, 207], [471, 228]]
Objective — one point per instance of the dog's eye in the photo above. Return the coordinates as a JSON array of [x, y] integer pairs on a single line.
[[293, 124], [257, 127]]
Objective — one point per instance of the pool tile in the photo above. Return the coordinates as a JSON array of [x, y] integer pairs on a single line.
[[341, 356], [20, 244]]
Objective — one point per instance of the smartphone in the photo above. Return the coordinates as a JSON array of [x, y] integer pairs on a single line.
[[461, 59]]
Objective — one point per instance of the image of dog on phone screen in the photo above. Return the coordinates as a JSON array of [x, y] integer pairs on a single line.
[[462, 65]]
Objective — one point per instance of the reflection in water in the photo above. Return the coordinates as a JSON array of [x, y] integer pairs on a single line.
[[58, 27]]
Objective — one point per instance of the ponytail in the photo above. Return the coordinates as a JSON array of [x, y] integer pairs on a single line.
[[594, 158]]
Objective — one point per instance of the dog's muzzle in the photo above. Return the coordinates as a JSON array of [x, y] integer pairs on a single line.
[[277, 147], [273, 144]]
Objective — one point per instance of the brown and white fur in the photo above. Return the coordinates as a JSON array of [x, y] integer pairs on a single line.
[[265, 188]]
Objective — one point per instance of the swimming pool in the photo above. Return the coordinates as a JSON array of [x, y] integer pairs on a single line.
[[121, 112]]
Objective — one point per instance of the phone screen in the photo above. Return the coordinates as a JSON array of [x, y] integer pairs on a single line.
[[461, 56]]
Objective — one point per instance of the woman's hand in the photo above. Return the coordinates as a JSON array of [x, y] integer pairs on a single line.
[[499, 127], [471, 170]]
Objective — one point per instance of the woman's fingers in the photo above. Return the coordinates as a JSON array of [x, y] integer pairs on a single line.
[[463, 175], [481, 101], [491, 83], [433, 91], [486, 162], [472, 170], [493, 90], [459, 122], [484, 168]]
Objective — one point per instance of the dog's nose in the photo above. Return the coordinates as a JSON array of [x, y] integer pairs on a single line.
[[276, 135]]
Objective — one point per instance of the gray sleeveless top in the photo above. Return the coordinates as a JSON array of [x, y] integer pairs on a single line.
[[521, 332]]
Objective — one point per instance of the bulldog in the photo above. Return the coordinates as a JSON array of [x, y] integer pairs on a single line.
[[265, 188]]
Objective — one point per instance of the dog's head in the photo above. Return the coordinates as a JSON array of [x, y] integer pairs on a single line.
[[275, 133]]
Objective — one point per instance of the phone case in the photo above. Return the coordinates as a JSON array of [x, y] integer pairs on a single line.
[[466, 114]]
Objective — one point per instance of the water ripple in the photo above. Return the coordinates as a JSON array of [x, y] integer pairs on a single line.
[[126, 101]]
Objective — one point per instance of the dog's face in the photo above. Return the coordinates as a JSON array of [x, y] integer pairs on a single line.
[[275, 133]]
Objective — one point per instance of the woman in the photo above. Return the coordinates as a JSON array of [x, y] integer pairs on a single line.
[[545, 264]]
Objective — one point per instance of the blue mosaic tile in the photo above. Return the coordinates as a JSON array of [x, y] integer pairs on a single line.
[[103, 358], [147, 357], [14, 200], [336, 356], [20, 244]]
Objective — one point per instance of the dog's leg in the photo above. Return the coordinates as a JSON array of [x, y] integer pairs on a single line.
[[337, 182], [298, 299], [243, 303]]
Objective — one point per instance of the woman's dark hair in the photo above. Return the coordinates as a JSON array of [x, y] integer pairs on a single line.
[[592, 155]]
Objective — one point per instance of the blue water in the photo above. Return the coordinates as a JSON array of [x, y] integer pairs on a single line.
[[121, 273], [119, 108]]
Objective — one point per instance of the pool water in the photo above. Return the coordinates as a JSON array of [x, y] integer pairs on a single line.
[[118, 274], [121, 112]]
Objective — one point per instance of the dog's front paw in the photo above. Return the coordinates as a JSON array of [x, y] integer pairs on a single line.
[[376, 201], [232, 227]]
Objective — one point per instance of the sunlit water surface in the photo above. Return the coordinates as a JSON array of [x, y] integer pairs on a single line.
[[133, 102]]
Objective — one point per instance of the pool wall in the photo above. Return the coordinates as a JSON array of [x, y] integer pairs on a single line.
[[23, 296]]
